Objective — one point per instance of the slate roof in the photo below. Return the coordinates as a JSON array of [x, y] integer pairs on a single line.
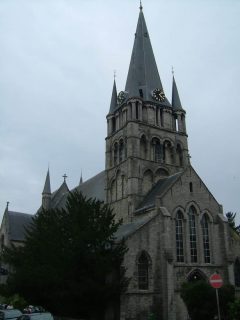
[[92, 188], [158, 189], [18, 222], [143, 72], [128, 229], [58, 194]]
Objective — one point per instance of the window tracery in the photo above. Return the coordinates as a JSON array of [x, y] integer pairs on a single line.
[[193, 234], [206, 242], [179, 237]]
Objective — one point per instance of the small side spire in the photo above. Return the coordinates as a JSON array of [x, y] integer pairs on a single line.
[[7, 205], [46, 194], [176, 102], [47, 186], [113, 103], [81, 179]]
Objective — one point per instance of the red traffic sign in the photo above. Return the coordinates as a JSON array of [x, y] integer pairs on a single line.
[[216, 281]]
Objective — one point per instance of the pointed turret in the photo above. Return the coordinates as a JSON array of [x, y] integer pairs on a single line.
[[46, 194], [81, 179], [47, 186], [7, 205], [113, 104], [176, 103], [143, 77]]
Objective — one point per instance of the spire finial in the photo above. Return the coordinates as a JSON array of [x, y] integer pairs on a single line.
[[7, 205], [64, 177], [141, 7], [114, 74], [172, 71]]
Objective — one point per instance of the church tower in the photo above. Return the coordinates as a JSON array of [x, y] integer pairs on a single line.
[[146, 137]]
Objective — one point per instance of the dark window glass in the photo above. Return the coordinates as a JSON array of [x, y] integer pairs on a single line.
[[113, 125], [191, 187], [121, 151], [115, 153], [179, 237], [237, 273], [193, 234], [206, 245], [143, 272], [157, 150]]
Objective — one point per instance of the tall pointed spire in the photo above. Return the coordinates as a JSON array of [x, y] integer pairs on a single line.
[[47, 186], [143, 76], [176, 102], [113, 103]]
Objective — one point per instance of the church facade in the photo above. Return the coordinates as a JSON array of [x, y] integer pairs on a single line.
[[173, 226]]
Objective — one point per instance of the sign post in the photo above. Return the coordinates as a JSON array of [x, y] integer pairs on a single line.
[[216, 282]]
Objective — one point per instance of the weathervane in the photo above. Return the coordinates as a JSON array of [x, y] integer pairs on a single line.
[[141, 7], [64, 177]]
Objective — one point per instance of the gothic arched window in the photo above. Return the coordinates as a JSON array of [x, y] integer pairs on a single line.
[[113, 191], [121, 151], [157, 152], [179, 237], [167, 152], [179, 154], [143, 266], [196, 275], [115, 154], [206, 245], [143, 147], [237, 272], [193, 234]]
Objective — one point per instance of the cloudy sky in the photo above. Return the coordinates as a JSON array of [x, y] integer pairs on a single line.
[[56, 72]]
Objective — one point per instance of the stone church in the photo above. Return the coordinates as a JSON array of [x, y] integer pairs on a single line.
[[173, 226]]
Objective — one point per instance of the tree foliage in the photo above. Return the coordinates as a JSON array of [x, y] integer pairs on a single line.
[[231, 221], [200, 299], [71, 263], [234, 310]]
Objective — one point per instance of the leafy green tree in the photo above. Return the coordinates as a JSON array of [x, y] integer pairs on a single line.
[[231, 221], [200, 299], [71, 263], [234, 310]]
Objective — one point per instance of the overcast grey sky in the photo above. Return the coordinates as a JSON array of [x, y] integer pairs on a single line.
[[56, 72]]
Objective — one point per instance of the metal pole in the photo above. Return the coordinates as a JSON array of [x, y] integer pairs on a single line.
[[219, 316]]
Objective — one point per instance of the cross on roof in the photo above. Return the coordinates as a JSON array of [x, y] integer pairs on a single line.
[[64, 177]]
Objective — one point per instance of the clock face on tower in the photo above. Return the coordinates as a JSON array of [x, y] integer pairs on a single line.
[[158, 95], [121, 97]]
